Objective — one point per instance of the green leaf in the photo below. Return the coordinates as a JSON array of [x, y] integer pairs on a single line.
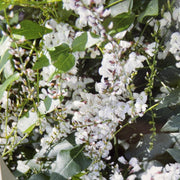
[[175, 153], [79, 43], [151, 10], [172, 125], [63, 14], [31, 30], [120, 6], [120, 22], [27, 123], [141, 150], [78, 176], [41, 62], [47, 102], [172, 99], [64, 62], [38, 177], [170, 76], [4, 59], [4, 52], [4, 5], [63, 48], [8, 81], [70, 162]]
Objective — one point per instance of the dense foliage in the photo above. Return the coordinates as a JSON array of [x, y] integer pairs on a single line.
[[90, 89]]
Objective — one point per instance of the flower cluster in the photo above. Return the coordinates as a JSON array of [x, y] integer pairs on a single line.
[[59, 103]]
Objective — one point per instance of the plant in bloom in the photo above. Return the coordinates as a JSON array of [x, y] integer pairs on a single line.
[[85, 82]]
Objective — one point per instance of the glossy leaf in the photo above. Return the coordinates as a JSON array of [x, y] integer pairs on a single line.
[[172, 125], [175, 153], [151, 10], [79, 43], [41, 62], [70, 162], [8, 81], [171, 100], [31, 30], [64, 62]]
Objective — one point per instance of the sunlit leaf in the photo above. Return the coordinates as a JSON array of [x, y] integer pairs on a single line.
[[27, 123], [175, 153], [4, 59], [5, 173], [64, 62], [172, 125], [63, 48], [170, 100], [120, 22], [4, 51], [8, 81], [120, 6], [31, 30], [79, 43], [70, 162]]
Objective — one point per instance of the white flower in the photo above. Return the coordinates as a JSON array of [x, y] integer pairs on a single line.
[[22, 167], [5, 102], [140, 103], [62, 33], [135, 164], [162, 55], [69, 4], [134, 61], [150, 49], [47, 72], [122, 160], [170, 171], [150, 173], [116, 176], [175, 45], [131, 177], [176, 14], [166, 21]]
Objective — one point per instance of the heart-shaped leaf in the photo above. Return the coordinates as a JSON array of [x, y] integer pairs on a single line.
[[70, 162], [151, 10]]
